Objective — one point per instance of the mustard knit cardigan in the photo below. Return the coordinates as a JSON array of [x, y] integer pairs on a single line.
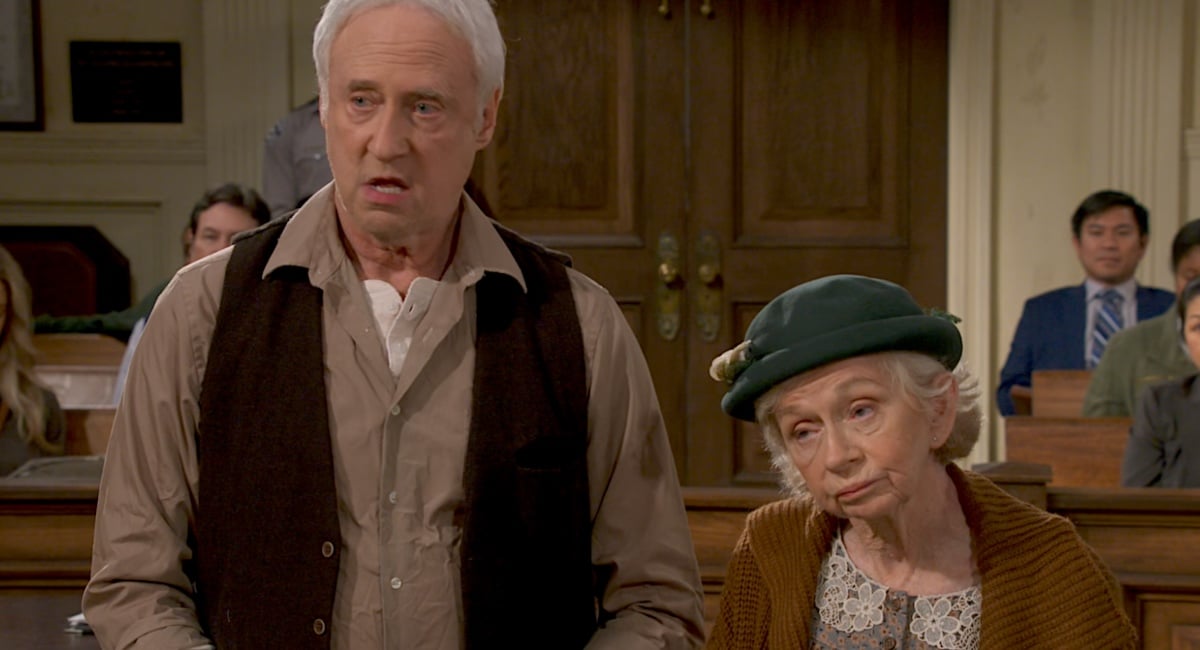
[[1043, 587]]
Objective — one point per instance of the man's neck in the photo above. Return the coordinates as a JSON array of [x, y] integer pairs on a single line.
[[423, 254]]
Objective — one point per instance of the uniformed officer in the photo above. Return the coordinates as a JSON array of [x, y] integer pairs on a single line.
[[294, 161]]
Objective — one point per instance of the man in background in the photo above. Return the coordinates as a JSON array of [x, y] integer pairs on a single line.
[[1068, 328], [295, 165], [1150, 352], [218, 215]]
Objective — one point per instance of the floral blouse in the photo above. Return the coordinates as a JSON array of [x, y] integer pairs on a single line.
[[855, 612]]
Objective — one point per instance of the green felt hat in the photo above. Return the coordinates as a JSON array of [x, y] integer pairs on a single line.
[[827, 320]]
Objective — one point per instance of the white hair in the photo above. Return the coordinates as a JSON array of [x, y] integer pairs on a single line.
[[918, 378], [474, 20]]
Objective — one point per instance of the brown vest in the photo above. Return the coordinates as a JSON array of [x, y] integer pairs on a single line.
[[266, 576]]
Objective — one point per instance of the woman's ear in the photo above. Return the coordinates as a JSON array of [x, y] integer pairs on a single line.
[[944, 411]]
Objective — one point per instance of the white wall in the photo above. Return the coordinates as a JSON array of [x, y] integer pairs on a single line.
[[137, 182], [1084, 95]]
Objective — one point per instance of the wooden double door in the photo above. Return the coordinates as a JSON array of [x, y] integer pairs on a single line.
[[698, 157]]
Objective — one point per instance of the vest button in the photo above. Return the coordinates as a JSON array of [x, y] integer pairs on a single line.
[[397, 583], [396, 410], [327, 549], [318, 627]]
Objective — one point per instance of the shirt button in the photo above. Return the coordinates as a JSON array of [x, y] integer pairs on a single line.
[[327, 549], [318, 627], [396, 410], [397, 583], [393, 497], [889, 643]]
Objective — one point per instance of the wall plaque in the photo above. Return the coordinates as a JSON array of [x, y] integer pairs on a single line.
[[126, 81]]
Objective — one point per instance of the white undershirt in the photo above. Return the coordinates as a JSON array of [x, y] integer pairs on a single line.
[[397, 317]]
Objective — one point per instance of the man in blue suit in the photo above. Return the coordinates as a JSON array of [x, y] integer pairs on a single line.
[[1068, 328]]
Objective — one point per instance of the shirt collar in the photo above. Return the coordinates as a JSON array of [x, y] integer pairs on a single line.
[[310, 240], [1127, 289]]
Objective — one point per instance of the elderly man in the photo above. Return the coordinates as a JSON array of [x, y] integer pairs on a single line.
[[388, 422]]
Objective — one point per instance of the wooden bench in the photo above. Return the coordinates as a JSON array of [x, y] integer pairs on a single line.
[[1059, 393], [88, 430], [1083, 452], [1146, 536], [81, 369]]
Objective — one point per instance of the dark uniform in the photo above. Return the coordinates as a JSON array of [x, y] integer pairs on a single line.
[[294, 161]]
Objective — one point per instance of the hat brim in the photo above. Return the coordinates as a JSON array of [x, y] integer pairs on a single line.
[[937, 337]]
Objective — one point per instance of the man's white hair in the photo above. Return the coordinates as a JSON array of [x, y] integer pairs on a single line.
[[474, 20]]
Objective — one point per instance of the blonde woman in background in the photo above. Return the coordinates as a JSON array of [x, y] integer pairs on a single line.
[[31, 422]]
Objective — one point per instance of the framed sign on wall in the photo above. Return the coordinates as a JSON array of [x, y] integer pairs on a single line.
[[20, 66]]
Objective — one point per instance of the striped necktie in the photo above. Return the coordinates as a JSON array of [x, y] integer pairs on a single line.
[[1109, 321]]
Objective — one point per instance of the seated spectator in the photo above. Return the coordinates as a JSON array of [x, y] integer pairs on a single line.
[[31, 422], [1068, 328], [1164, 443], [1150, 352], [220, 214]]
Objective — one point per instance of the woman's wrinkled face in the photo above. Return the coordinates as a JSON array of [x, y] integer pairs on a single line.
[[863, 446]]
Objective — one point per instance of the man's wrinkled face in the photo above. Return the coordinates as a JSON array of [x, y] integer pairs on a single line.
[[402, 121]]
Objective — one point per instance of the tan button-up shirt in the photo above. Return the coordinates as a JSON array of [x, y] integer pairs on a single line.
[[399, 444]]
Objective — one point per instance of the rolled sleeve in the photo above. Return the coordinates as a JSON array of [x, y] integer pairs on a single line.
[[140, 594], [641, 546]]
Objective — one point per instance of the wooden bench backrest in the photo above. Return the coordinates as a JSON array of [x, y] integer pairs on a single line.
[[1059, 393], [81, 369], [1083, 452], [88, 430], [78, 350]]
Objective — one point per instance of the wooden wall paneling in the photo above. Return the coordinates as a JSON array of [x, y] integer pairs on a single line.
[[589, 157], [1084, 452], [46, 535], [805, 164], [777, 135], [562, 160]]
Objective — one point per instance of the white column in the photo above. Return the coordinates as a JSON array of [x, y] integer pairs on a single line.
[[969, 215], [247, 83], [1137, 103]]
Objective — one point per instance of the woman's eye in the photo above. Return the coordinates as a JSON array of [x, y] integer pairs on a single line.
[[862, 411], [802, 434]]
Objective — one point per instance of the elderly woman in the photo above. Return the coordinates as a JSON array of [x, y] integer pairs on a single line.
[[886, 543]]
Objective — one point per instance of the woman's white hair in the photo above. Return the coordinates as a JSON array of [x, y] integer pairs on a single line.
[[919, 378], [474, 20]]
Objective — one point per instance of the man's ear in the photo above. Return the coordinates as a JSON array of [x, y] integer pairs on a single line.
[[487, 125]]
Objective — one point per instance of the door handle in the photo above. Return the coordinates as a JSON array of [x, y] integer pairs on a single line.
[[669, 287], [706, 9], [708, 298]]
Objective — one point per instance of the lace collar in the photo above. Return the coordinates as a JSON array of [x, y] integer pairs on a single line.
[[849, 601]]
